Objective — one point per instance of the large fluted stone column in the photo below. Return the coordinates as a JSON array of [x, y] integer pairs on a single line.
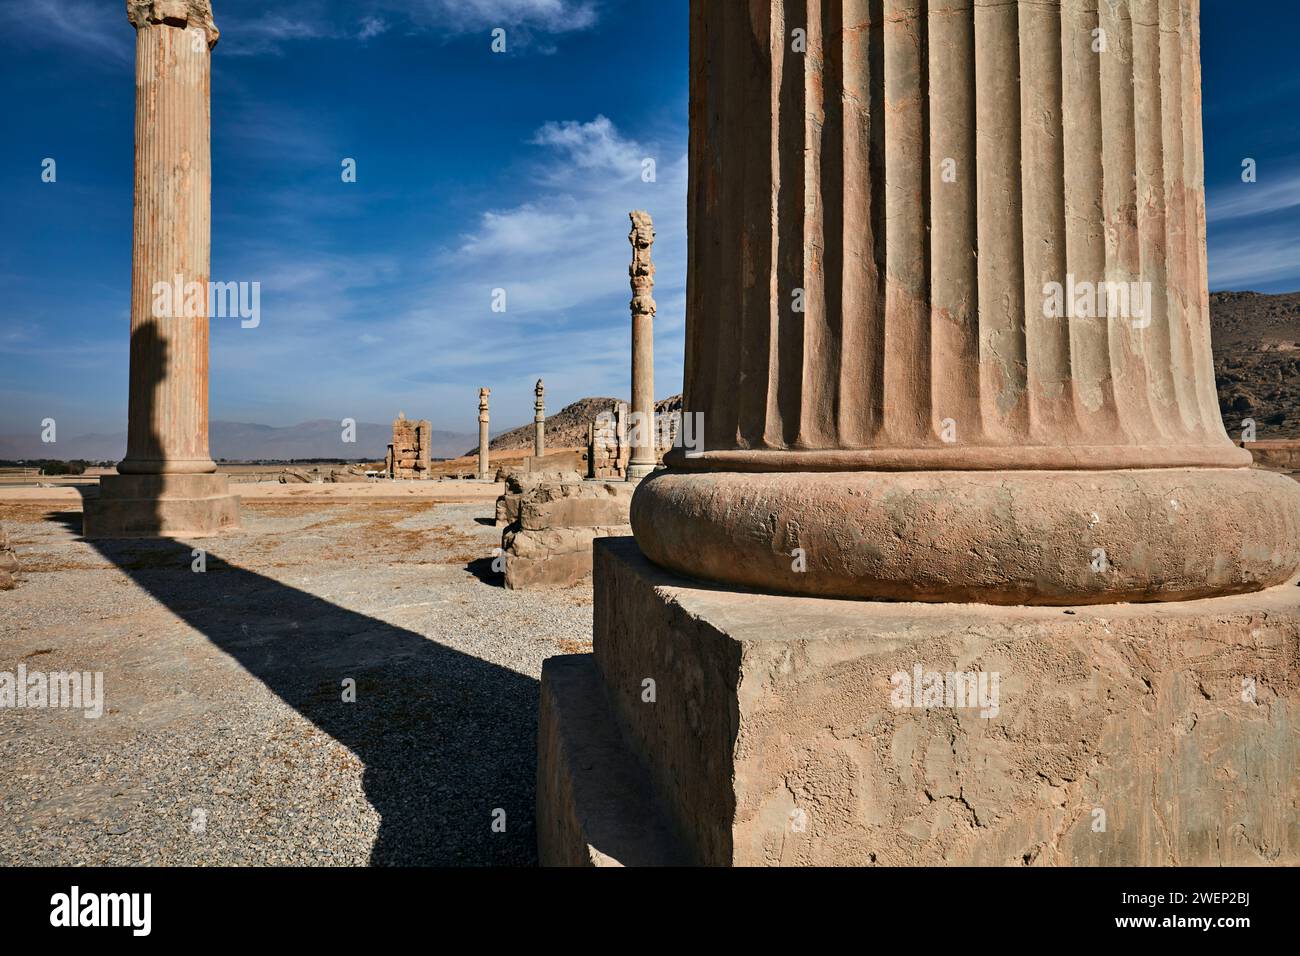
[[895, 409], [167, 484], [642, 272], [539, 420], [483, 421], [890, 332]]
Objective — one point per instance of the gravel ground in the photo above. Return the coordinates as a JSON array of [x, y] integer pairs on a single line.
[[225, 737]]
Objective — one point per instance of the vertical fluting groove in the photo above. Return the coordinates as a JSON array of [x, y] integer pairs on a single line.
[[954, 283], [731, 205], [1210, 423], [777, 297], [1085, 243], [1047, 340], [1001, 262], [713, 392], [907, 307], [756, 263], [693, 388], [792, 212], [833, 252], [861, 352], [1171, 82], [879, 215], [1126, 330], [814, 426], [1148, 121]]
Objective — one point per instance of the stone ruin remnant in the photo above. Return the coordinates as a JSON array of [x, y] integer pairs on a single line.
[[8, 562], [484, 467], [904, 409], [642, 273], [167, 485], [409, 455], [539, 421]]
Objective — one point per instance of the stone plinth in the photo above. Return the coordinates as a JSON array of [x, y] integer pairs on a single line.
[[775, 735], [549, 544], [520, 481], [167, 419], [167, 506]]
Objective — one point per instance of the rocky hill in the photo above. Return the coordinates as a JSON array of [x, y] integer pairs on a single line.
[[1257, 361], [567, 428]]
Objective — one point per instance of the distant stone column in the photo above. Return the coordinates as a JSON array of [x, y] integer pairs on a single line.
[[483, 394], [539, 421], [167, 485], [947, 318], [642, 272]]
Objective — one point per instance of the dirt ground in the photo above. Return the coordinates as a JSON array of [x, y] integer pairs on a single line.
[[227, 736]]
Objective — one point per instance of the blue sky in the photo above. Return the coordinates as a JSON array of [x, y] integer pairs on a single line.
[[476, 170]]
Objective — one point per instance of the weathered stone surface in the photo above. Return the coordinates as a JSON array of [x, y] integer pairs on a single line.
[[167, 418], [168, 506], [520, 480], [574, 505], [1054, 538], [8, 562], [592, 819], [1275, 455], [919, 318], [642, 272], [191, 14], [484, 419], [1174, 720], [409, 455], [557, 557], [539, 421]]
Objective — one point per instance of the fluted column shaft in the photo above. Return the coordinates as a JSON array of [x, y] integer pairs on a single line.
[[483, 421], [167, 431], [642, 272], [539, 421], [883, 203]]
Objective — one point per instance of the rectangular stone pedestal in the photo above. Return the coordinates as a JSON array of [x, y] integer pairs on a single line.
[[160, 506], [788, 731]]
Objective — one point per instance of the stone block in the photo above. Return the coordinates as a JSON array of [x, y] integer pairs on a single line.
[[553, 557], [578, 505], [787, 730]]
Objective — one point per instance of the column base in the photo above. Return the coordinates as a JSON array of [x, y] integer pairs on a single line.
[[776, 731], [996, 537], [637, 471], [161, 506]]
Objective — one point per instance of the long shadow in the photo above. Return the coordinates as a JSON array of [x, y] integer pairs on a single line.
[[447, 739]]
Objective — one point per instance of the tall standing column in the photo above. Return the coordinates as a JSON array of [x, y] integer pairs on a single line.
[[539, 421], [642, 272], [947, 316], [167, 484], [483, 463]]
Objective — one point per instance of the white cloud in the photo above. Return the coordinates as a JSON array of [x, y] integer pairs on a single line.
[[1239, 200]]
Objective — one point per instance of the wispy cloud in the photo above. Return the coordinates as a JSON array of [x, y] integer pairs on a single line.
[[1272, 193], [91, 27]]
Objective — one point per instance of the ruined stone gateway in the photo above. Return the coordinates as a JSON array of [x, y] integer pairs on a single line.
[[902, 409]]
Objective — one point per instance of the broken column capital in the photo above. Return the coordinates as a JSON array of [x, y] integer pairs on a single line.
[[186, 14]]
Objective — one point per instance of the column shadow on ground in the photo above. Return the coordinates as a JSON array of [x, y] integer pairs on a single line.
[[446, 738]]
